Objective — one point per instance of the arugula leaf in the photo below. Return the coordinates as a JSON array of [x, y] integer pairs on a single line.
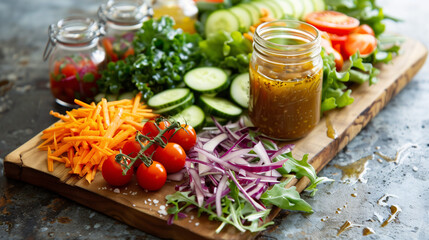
[[162, 57], [285, 198], [319, 180]]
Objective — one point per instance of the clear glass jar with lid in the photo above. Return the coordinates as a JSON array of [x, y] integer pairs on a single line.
[[121, 20], [75, 58], [286, 72]]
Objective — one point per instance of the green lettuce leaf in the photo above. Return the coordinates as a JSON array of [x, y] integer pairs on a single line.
[[285, 198]]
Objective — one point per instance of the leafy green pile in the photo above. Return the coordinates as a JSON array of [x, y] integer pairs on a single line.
[[227, 50], [162, 57], [335, 92]]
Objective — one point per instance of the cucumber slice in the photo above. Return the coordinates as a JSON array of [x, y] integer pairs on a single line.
[[206, 79], [219, 107], [260, 5], [168, 98], [255, 13], [239, 90], [172, 110], [276, 9], [319, 5], [221, 20], [298, 6], [126, 95], [192, 115], [308, 7], [243, 16], [286, 7]]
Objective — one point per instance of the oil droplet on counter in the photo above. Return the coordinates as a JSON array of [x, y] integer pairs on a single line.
[[367, 231], [354, 170], [353, 195], [395, 210], [383, 200], [324, 219], [398, 156], [330, 132], [344, 227]]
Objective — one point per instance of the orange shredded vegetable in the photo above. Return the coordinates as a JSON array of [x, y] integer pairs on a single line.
[[265, 17], [86, 136]]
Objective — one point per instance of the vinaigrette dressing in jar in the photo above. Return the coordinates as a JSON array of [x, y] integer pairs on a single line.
[[184, 13], [75, 58], [121, 19], [286, 73]]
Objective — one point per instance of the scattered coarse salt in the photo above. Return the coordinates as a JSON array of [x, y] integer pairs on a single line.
[[117, 190], [150, 204], [415, 169], [134, 205], [145, 202], [125, 193], [97, 225], [197, 223], [162, 211], [162, 207], [155, 201], [192, 216], [91, 215], [149, 200]]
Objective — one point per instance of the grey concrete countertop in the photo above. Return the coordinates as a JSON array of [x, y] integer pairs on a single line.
[[29, 212]]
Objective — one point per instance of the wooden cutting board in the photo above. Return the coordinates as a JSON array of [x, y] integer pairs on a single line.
[[143, 210]]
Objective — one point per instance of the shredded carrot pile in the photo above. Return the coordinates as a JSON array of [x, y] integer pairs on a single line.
[[264, 18], [88, 135]]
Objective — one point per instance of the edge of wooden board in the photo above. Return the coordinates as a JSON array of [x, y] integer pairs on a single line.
[[393, 78]]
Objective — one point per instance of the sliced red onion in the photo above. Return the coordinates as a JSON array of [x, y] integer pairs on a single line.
[[220, 189]]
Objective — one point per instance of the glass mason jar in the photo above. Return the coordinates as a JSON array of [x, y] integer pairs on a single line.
[[74, 59], [121, 20], [286, 73]]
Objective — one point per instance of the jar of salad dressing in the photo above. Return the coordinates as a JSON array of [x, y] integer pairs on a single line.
[[184, 13], [74, 59], [286, 72], [121, 19]]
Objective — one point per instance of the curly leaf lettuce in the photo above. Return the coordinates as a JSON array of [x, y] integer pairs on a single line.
[[227, 50]]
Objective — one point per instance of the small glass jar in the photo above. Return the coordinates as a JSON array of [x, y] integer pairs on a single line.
[[75, 58], [121, 20], [286, 72], [184, 13]]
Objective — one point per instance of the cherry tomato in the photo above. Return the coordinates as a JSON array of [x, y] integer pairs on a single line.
[[172, 157], [150, 129], [153, 177], [332, 22], [365, 43], [327, 45], [364, 29], [186, 137], [131, 148], [112, 172], [69, 70]]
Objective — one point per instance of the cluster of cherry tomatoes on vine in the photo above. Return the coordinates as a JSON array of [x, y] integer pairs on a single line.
[[160, 148]]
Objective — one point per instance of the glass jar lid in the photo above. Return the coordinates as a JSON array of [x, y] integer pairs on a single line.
[[71, 31], [125, 12]]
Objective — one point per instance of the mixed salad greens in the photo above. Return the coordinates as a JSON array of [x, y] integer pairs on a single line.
[[173, 70]]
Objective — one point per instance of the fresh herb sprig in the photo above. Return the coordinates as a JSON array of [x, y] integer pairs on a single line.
[[162, 57]]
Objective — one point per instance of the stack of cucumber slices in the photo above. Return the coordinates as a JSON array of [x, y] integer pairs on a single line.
[[198, 102], [246, 14]]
